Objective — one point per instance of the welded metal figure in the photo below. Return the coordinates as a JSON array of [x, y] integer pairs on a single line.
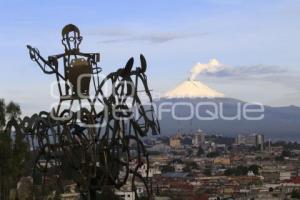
[[73, 69], [96, 148]]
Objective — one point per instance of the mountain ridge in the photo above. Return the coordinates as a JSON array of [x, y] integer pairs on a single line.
[[278, 122]]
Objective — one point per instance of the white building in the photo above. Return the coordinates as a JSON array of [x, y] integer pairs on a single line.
[[198, 138], [125, 195], [251, 140], [285, 176]]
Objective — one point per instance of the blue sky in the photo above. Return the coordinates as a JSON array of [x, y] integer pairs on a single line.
[[263, 36]]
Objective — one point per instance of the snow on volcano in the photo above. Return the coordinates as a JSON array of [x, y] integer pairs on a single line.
[[192, 89]]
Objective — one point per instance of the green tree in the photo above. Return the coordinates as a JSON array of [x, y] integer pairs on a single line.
[[237, 171], [200, 152], [2, 113], [213, 154], [286, 153], [207, 172], [5, 165], [167, 168], [228, 172], [254, 169], [13, 152], [13, 110], [189, 166], [279, 158], [108, 193], [241, 171], [295, 194]]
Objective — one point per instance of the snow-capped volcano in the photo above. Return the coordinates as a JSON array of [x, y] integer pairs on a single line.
[[223, 116], [192, 89]]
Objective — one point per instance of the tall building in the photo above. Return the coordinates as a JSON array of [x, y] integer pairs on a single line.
[[260, 140], [251, 140], [198, 138]]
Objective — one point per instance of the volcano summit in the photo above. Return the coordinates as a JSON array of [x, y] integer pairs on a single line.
[[192, 89]]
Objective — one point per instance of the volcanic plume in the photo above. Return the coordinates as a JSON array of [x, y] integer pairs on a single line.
[[192, 88]]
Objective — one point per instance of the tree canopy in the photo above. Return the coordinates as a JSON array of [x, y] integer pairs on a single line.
[[13, 151]]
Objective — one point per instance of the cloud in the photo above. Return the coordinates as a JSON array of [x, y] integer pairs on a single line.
[[247, 71], [274, 74], [123, 35], [213, 66], [216, 69]]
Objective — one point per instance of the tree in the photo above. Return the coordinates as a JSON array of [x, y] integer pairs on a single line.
[[207, 172], [13, 151], [167, 168], [213, 154], [279, 158], [295, 194], [228, 172], [13, 110], [241, 171], [237, 171], [254, 169], [286, 153], [200, 152], [108, 193], [5, 165], [2, 113], [189, 166]]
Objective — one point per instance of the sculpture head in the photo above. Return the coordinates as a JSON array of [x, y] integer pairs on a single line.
[[71, 38]]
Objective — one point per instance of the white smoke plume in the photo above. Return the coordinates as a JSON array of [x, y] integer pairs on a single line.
[[212, 66]]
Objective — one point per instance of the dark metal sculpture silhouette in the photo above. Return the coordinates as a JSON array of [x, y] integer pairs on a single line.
[[99, 144], [77, 68]]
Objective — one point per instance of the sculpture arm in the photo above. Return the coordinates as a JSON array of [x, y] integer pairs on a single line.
[[47, 66]]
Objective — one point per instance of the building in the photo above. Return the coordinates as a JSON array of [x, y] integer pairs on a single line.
[[175, 142], [260, 140], [125, 195], [285, 176], [221, 161], [198, 138], [251, 140]]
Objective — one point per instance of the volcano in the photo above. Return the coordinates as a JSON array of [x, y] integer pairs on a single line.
[[192, 89], [277, 122]]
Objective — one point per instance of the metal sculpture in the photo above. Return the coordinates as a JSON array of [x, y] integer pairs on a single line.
[[78, 68], [98, 145]]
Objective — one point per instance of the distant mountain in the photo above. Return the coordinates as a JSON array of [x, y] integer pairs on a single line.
[[191, 95], [277, 123], [192, 89]]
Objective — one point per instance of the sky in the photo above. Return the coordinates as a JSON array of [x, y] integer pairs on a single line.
[[257, 42]]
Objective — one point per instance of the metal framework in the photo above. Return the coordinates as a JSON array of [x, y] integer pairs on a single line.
[[97, 144]]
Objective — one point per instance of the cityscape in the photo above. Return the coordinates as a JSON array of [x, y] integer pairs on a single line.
[[201, 166], [150, 100]]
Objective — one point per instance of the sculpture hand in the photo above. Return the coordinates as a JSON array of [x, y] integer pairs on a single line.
[[33, 52]]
